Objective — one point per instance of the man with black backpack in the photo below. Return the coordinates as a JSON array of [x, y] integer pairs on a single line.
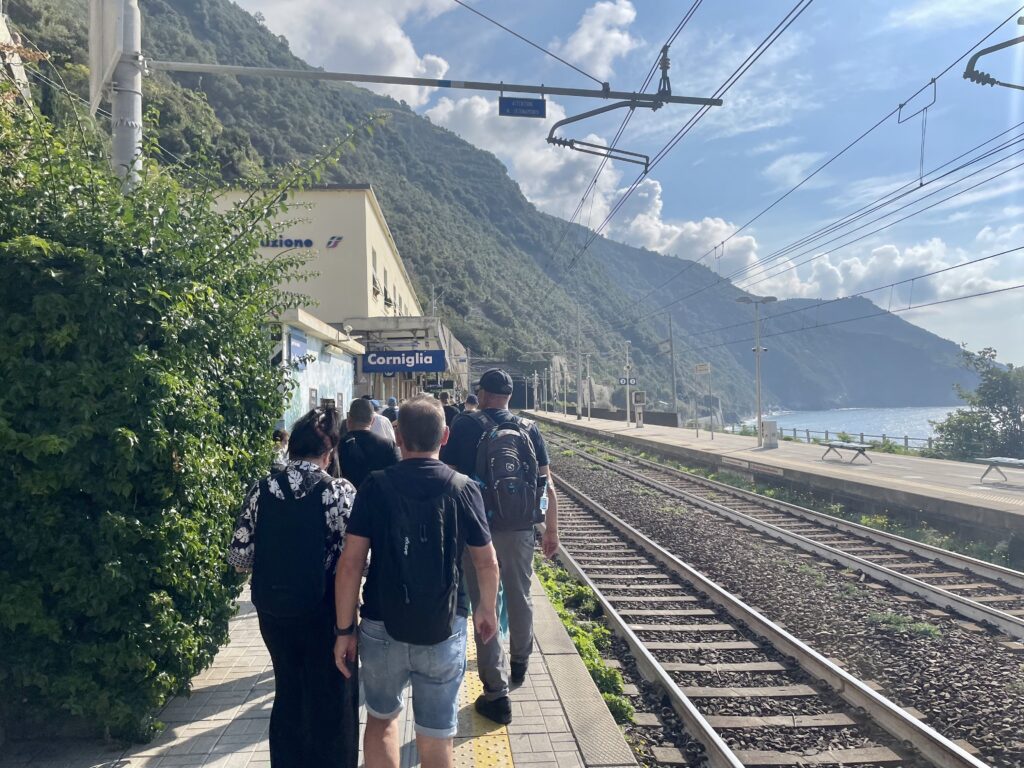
[[362, 450], [505, 454], [419, 518]]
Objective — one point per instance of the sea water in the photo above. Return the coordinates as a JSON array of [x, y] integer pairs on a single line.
[[894, 423]]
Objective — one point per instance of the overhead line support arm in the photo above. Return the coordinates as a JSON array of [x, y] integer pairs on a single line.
[[641, 99]]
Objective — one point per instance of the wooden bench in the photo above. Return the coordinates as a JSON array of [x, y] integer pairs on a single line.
[[859, 449], [995, 462]]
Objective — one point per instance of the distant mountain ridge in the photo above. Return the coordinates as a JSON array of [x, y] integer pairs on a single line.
[[464, 226]]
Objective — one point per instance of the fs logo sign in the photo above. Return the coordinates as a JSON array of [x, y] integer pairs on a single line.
[[334, 241]]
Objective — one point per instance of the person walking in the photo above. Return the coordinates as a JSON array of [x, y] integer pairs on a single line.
[[507, 456], [472, 404], [450, 411], [419, 518], [391, 412], [289, 534], [280, 460], [362, 450]]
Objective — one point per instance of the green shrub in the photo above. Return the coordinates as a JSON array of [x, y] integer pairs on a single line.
[[137, 404]]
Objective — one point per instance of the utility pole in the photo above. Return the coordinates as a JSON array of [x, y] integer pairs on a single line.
[[672, 357], [757, 355], [126, 101], [535, 389], [579, 367], [564, 377], [590, 388], [628, 368]]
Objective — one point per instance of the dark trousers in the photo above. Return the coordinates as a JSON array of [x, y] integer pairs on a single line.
[[315, 719]]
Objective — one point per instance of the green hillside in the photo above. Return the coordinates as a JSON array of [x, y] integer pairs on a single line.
[[462, 223]]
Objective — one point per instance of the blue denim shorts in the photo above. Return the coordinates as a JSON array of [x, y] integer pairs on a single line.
[[386, 666]]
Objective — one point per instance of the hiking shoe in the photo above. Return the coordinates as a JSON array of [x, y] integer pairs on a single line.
[[518, 672], [498, 710]]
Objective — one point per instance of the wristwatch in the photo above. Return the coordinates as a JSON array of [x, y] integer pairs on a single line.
[[344, 632]]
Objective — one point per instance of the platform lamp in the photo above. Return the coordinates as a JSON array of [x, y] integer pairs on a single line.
[[757, 302]]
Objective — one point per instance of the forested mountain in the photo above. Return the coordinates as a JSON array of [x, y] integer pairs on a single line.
[[462, 223]]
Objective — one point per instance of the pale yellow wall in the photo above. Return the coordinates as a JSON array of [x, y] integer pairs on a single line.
[[343, 287]]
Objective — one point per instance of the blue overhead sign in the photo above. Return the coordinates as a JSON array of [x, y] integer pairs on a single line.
[[391, 361], [515, 107]]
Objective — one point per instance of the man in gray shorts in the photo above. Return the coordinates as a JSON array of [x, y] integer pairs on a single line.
[[419, 517]]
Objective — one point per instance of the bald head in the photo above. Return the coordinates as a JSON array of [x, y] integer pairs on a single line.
[[421, 425]]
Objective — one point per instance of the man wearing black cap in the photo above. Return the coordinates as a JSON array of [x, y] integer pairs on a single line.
[[467, 452]]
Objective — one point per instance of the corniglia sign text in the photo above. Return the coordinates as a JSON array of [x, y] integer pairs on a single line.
[[391, 361]]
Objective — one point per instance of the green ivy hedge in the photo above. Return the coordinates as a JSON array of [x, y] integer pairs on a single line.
[[136, 403]]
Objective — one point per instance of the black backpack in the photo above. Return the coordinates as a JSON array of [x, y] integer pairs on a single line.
[[290, 540], [506, 466], [418, 557]]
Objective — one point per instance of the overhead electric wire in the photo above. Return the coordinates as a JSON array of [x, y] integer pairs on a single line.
[[830, 160], [526, 40], [720, 280], [618, 134], [865, 292], [880, 313], [742, 69]]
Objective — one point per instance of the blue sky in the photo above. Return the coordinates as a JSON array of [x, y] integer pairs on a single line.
[[839, 69]]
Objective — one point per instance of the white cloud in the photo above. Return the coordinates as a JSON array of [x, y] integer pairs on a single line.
[[771, 147], [358, 37], [601, 37], [943, 13], [789, 170]]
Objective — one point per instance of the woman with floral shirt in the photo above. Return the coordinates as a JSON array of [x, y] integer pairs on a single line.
[[289, 534]]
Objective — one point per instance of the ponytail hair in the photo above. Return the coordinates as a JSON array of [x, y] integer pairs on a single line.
[[316, 433]]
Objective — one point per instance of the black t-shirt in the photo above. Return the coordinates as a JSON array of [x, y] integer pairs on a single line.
[[460, 450], [418, 479], [450, 412], [362, 451]]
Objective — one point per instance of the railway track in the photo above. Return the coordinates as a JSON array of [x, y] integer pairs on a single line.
[[977, 590], [750, 692]]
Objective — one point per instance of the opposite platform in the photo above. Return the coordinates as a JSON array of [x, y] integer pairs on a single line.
[[559, 718], [945, 489]]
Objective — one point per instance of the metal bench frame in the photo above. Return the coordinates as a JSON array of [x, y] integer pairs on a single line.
[[858, 451], [996, 464]]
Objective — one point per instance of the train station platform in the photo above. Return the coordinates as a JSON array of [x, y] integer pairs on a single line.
[[946, 490], [559, 718]]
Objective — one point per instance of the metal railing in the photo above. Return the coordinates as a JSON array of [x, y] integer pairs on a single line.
[[802, 435]]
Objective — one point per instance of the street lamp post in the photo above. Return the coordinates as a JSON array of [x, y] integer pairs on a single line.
[[757, 302]]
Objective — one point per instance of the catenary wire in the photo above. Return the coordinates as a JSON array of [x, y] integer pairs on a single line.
[[721, 280], [618, 134], [865, 292], [829, 161], [880, 313], [751, 59], [526, 40]]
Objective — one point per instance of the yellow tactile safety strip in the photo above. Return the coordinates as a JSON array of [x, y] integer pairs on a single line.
[[480, 743]]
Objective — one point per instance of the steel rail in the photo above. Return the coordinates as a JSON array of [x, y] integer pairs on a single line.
[[902, 726], [935, 595], [990, 571]]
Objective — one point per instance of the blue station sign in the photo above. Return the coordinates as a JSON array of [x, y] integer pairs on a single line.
[[391, 361], [509, 106]]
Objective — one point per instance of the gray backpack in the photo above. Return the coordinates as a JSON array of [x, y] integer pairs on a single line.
[[506, 467]]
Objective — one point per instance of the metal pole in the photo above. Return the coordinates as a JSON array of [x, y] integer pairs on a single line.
[[757, 369], [565, 390], [126, 101], [590, 387], [579, 367], [642, 99], [711, 407], [672, 356], [627, 384]]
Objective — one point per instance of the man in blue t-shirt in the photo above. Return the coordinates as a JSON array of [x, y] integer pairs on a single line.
[[514, 549]]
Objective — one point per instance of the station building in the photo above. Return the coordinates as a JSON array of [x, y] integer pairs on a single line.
[[362, 294]]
